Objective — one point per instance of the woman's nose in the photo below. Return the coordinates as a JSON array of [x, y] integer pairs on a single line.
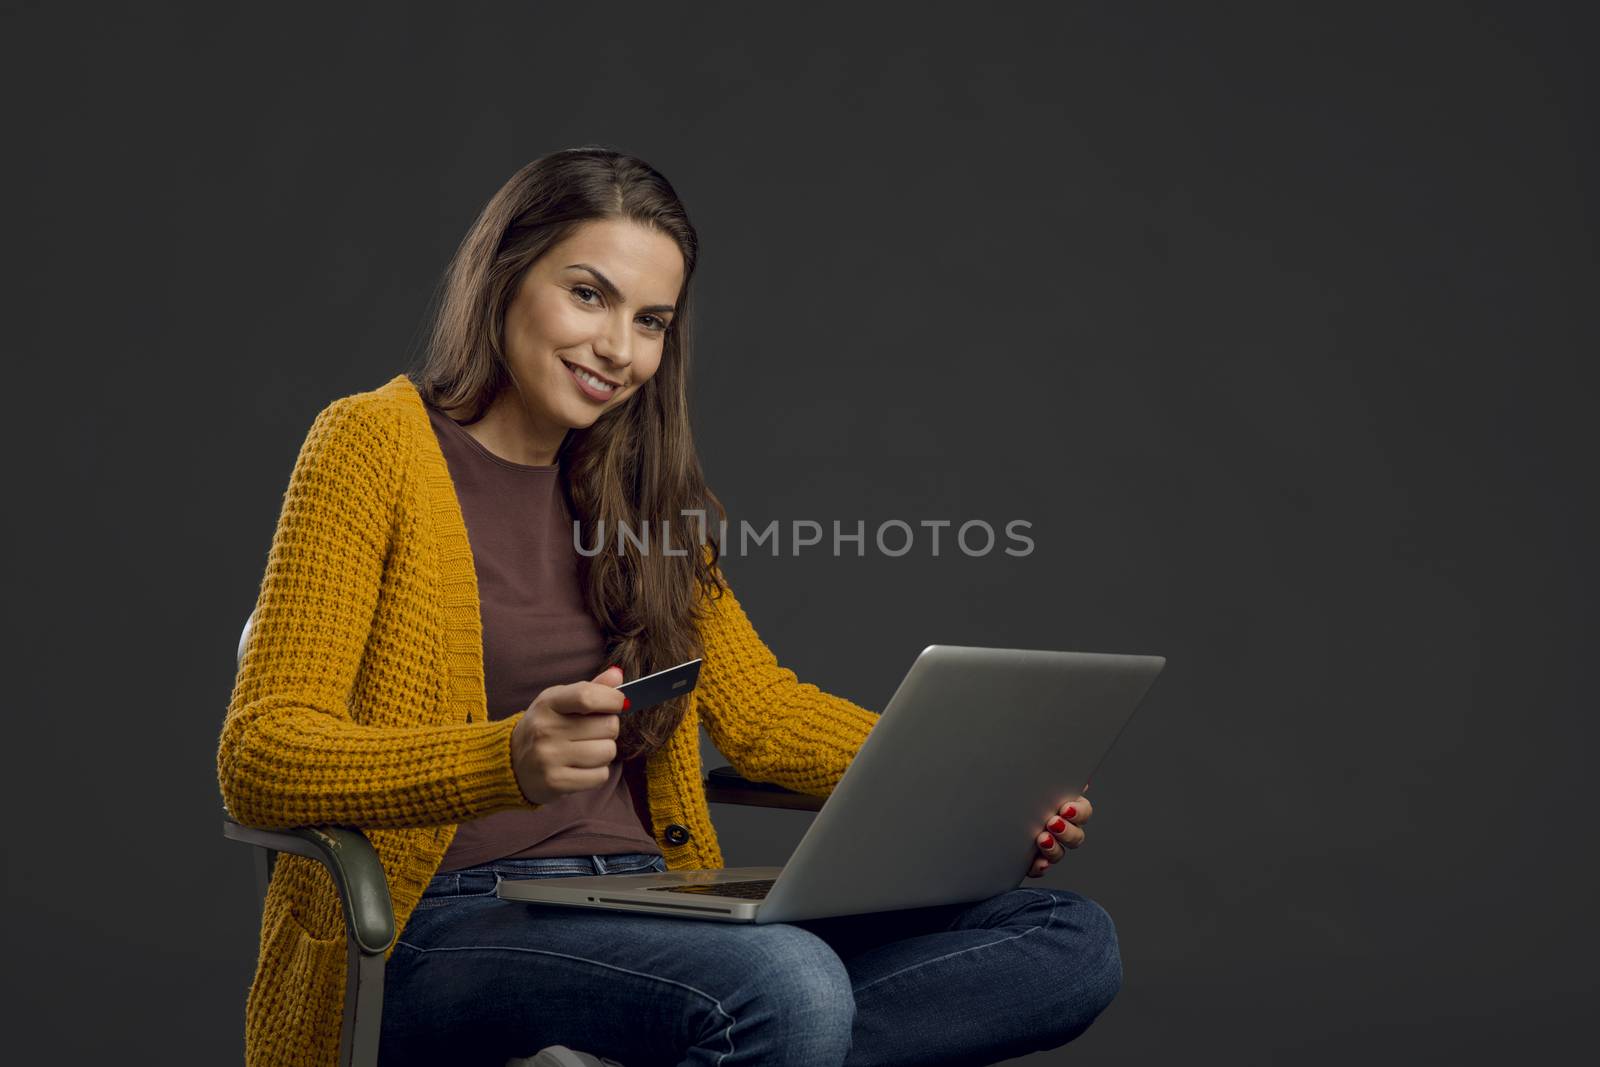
[[614, 344]]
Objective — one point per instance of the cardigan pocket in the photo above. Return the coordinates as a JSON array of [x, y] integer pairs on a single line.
[[297, 998]]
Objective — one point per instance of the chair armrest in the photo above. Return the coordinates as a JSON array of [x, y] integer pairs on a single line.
[[724, 785], [355, 867]]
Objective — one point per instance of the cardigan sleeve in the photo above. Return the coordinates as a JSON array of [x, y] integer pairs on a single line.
[[771, 726], [291, 752]]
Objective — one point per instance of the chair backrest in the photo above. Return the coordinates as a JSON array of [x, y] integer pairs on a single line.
[[243, 637]]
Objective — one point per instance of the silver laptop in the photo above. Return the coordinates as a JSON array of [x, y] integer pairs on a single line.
[[975, 750]]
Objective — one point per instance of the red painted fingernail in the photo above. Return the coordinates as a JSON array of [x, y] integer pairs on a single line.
[[1047, 842], [1070, 812], [626, 703], [613, 667], [1057, 824]]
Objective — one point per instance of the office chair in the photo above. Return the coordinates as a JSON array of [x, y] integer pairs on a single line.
[[369, 917]]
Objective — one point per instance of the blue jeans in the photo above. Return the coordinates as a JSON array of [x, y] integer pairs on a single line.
[[476, 979]]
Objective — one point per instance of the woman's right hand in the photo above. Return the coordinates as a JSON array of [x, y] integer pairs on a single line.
[[567, 739]]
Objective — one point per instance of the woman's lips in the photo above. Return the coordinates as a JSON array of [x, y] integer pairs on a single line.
[[598, 394]]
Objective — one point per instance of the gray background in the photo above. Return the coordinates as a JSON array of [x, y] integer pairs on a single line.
[[1274, 320]]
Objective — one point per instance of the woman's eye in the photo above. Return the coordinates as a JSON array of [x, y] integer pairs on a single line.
[[583, 292]]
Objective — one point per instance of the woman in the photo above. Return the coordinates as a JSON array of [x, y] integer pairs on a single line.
[[410, 671]]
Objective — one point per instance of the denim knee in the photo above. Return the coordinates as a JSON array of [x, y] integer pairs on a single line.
[[792, 1004], [1099, 963]]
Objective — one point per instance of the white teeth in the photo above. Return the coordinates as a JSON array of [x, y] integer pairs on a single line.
[[591, 379]]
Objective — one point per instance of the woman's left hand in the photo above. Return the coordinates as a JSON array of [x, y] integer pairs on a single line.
[[1061, 831]]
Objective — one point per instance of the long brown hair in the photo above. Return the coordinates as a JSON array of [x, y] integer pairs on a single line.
[[637, 463]]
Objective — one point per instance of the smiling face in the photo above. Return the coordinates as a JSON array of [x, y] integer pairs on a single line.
[[585, 330]]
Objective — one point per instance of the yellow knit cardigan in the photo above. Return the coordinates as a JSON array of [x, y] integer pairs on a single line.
[[360, 702]]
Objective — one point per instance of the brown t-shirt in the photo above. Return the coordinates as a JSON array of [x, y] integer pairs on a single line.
[[536, 633]]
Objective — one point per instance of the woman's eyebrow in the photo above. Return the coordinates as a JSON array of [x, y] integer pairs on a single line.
[[613, 292]]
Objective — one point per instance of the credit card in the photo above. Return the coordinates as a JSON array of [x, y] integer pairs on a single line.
[[661, 686]]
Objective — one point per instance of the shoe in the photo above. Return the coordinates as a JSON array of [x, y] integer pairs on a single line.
[[562, 1056]]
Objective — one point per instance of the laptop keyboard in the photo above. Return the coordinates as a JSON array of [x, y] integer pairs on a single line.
[[751, 890]]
